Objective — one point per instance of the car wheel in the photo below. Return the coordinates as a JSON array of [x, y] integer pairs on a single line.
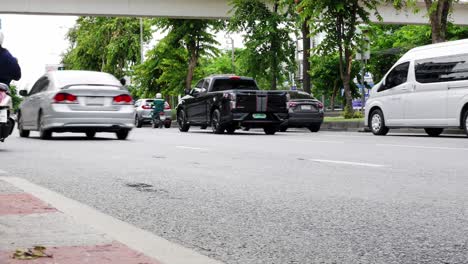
[[230, 130], [122, 134], [270, 130], [182, 121], [434, 132], [43, 133], [377, 123], [216, 123], [314, 128], [203, 127], [22, 132], [138, 122], [283, 129], [465, 122], [246, 129], [168, 124], [90, 134]]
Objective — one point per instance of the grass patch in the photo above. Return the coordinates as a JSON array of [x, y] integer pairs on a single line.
[[342, 119]]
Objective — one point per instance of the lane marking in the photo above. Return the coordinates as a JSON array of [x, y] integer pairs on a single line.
[[349, 163], [192, 148], [140, 240], [421, 147]]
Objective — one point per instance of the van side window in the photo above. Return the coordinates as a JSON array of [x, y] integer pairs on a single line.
[[442, 69], [397, 76]]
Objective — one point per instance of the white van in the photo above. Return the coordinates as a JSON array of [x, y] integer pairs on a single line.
[[427, 88]]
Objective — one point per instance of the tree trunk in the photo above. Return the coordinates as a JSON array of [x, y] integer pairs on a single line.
[[438, 16], [274, 61], [191, 68], [347, 81], [305, 57]]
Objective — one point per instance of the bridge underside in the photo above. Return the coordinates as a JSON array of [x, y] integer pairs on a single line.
[[187, 9]]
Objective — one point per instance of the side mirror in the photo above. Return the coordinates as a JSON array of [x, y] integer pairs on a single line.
[[23, 93], [123, 81], [194, 92], [187, 91]]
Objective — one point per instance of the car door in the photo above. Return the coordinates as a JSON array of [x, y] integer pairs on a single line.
[[38, 99], [392, 93], [195, 109], [29, 104], [426, 104]]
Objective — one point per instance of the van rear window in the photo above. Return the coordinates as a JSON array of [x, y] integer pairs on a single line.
[[442, 69]]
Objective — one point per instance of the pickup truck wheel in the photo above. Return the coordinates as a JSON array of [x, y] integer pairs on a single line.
[[182, 121], [230, 130], [270, 130], [283, 129], [215, 122], [314, 128]]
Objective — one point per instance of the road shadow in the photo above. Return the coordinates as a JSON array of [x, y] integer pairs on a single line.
[[426, 136], [237, 133], [75, 138]]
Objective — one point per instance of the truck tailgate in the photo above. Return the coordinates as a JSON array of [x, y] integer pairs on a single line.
[[261, 101]]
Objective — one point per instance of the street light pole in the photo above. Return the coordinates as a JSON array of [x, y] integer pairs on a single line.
[[230, 40]]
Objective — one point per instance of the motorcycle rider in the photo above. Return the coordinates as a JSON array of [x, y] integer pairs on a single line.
[[9, 67], [158, 108]]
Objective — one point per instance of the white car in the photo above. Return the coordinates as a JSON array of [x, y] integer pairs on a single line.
[[427, 88], [76, 101]]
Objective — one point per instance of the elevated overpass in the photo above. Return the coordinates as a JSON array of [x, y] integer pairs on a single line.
[[188, 9]]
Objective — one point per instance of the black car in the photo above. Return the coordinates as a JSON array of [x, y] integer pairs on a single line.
[[228, 102], [304, 111]]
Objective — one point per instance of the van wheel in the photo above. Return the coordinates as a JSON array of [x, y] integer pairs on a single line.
[[465, 122], [377, 123], [43, 133], [216, 122], [270, 130], [434, 132], [182, 121]]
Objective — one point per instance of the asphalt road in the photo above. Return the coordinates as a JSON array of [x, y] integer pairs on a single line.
[[295, 197]]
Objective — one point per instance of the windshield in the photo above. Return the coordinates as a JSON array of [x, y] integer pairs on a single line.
[[233, 84]]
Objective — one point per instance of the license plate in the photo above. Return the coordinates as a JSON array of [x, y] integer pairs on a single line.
[[259, 116], [3, 116], [95, 100], [306, 107]]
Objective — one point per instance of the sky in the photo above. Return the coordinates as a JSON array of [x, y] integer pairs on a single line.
[[38, 40]]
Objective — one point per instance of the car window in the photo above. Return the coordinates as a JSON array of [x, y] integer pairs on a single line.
[[233, 84], [300, 95], [199, 84], [206, 84], [442, 69], [39, 86], [149, 102], [397, 76]]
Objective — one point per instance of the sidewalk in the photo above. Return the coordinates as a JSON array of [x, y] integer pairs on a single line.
[[27, 222]]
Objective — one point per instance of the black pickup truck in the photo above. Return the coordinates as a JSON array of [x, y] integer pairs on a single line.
[[227, 103]]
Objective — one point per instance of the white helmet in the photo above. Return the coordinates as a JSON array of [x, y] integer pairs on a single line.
[[158, 96], [1, 38]]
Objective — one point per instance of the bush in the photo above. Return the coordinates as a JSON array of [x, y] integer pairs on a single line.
[[352, 115]]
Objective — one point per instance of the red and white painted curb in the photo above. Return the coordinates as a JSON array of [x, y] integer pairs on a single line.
[[72, 232]]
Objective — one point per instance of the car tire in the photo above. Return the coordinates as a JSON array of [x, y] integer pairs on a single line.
[[270, 130], [168, 124], [22, 132], [246, 129], [182, 121], [203, 127], [138, 122], [215, 122], [230, 130], [434, 132], [122, 134], [44, 134], [465, 122], [283, 129], [90, 134], [314, 128], [377, 123]]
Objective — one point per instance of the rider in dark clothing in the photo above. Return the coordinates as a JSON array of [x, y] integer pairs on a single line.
[[9, 67]]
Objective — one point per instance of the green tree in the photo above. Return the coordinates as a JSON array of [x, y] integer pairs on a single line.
[[269, 48], [109, 44], [339, 20], [195, 36], [438, 12], [15, 97]]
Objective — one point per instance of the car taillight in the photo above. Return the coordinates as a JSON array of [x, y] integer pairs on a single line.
[[232, 99], [65, 98], [292, 104], [320, 105], [3, 95], [167, 106], [123, 99], [146, 107], [235, 77]]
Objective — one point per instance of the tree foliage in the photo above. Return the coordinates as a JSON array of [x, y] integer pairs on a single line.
[[109, 44], [269, 47], [339, 21]]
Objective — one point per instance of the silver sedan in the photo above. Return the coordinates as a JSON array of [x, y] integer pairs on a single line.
[[76, 101]]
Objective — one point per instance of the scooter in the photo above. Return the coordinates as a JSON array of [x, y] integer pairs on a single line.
[[7, 123], [159, 122]]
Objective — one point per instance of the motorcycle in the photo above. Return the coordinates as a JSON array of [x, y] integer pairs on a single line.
[[158, 121], [7, 123]]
